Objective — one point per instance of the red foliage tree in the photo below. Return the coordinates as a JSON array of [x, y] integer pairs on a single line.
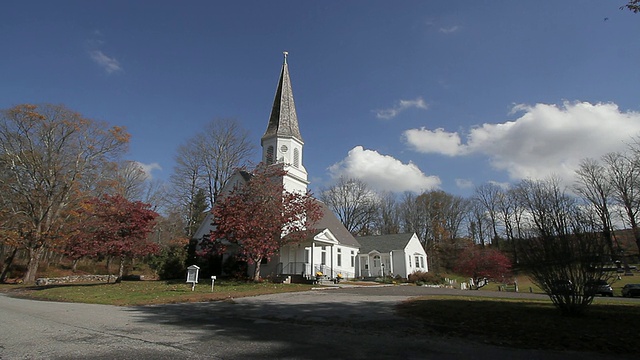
[[480, 263], [257, 215], [114, 227]]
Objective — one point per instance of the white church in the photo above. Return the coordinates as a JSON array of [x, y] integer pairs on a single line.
[[332, 250]]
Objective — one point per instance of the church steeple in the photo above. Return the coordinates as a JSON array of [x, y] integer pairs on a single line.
[[283, 121], [282, 142]]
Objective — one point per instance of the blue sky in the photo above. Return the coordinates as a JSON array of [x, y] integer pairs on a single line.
[[406, 95]]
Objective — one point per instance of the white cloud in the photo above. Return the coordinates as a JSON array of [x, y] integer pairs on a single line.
[[401, 106], [464, 184], [545, 140], [437, 141], [109, 64], [449, 30], [383, 172], [148, 169]]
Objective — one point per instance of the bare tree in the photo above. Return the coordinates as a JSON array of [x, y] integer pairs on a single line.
[[187, 185], [354, 204], [479, 223], [547, 205], [49, 153], [222, 147], [487, 195], [594, 185], [204, 164], [624, 172], [412, 216], [388, 216], [564, 253], [437, 218]]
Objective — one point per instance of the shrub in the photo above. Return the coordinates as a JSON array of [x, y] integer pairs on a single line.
[[170, 263], [421, 278]]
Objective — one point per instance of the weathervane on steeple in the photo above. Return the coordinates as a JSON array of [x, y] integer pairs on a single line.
[[285, 56]]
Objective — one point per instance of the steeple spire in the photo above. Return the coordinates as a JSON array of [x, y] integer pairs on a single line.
[[283, 121]]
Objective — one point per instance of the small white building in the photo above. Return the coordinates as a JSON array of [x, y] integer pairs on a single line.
[[390, 255]]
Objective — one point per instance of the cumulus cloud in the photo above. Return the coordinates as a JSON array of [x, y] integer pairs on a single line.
[[401, 106], [109, 64], [383, 172], [545, 140], [434, 141]]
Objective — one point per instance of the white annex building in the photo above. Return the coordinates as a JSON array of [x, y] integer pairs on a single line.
[[331, 250]]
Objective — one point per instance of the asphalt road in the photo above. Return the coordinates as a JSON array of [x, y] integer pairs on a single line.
[[346, 323]]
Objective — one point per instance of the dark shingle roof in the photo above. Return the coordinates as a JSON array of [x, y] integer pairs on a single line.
[[383, 243], [283, 120], [331, 222]]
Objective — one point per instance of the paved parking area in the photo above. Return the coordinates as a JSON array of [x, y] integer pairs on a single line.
[[342, 323]]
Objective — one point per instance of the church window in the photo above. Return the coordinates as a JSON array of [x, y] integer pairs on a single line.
[[269, 159], [296, 158], [376, 261]]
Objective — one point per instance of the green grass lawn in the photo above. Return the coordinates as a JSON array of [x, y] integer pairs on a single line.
[[148, 292], [607, 327]]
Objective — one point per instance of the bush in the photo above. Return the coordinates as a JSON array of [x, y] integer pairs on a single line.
[[170, 263], [421, 278]]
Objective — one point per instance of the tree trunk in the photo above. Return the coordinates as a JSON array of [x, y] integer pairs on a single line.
[[256, 273], [7, 264], [121, 270], [108, 268], [32, 267], [74, 267], [636, 234]]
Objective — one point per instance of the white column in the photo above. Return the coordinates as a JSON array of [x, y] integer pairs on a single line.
[[313, 274], [332, 261]]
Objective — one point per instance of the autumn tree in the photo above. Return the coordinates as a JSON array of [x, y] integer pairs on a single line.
[[353, 202], [49, 154], [115, 227], [480, 263], [260, 217]]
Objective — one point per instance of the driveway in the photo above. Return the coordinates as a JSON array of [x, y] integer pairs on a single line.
[[345, 323]]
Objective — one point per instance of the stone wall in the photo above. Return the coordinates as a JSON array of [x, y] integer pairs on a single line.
[[75, 279]]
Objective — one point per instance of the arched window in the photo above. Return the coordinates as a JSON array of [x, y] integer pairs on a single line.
[[296, 157], [269, 159]]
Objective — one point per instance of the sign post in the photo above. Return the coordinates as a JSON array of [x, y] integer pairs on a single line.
[[192, 276]]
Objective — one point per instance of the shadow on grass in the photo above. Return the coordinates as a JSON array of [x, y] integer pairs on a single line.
[[607, 328]]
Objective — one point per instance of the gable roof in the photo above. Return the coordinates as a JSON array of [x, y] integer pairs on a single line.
[[283, 121], [384, 243], [330, 221]]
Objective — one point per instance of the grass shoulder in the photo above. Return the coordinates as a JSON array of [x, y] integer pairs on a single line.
[[132, 293], [524, 323]]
